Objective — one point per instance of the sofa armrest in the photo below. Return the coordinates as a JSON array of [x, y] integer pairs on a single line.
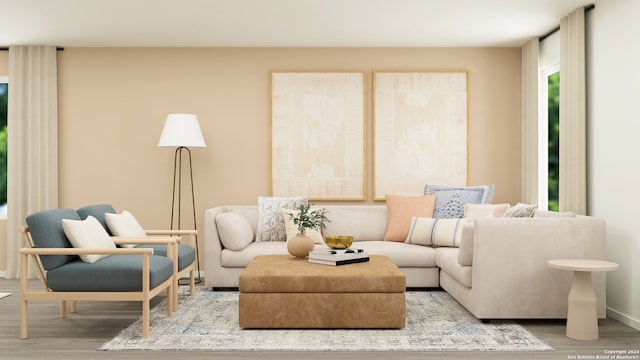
[[465, 254], [510, 260]]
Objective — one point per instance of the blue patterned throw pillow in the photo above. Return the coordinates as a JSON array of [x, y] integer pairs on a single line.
[[450, 200], [270, 220]]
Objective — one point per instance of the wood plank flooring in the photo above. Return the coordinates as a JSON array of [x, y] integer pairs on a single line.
[[80, 334]]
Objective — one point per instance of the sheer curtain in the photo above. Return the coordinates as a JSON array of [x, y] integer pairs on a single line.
[[33, 140], [529, 122], [572, 190]]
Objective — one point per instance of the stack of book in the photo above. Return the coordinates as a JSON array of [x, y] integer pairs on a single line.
[[338, 257]]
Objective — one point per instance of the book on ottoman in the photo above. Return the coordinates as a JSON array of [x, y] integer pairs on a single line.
[[338, 257], [338, 262]]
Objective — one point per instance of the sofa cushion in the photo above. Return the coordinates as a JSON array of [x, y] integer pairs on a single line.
[[270, 220], [363, 222], [242, 258], [402, 254], [113, 273], [234, 230], [400, 209], [474, 211], [88, 233], [447, 261], [436, 232], [450, 200], [292, 229], [47, 232], [554, 214]]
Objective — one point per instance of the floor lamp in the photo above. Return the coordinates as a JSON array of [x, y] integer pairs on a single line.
[[182, 131]]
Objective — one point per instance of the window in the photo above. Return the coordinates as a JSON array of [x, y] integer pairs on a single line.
[[3, 144], [549, 130]]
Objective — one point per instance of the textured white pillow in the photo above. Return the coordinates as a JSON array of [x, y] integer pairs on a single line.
[[234, 230], [87, 233], [270, 220], [436, 232], [124, 225], [292, 228], [521, 210]]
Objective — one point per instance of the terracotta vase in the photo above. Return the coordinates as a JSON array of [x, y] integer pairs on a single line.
[[300, 245]]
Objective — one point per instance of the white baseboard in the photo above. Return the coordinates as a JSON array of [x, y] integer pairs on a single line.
[[3, 274], [623, 318]]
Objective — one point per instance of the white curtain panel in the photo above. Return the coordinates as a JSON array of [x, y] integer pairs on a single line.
[[572, 190], [33, 141], [529, 122]]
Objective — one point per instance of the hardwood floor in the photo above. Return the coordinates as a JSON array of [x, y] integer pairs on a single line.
[[80, 334]]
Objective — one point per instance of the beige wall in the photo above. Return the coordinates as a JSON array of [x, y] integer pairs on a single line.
[[113, 103]]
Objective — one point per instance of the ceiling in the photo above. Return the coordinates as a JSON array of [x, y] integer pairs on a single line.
[[279, 23]]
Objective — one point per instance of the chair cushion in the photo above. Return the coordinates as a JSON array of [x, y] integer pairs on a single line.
[[115, 273], [186, 253], [88, 233], [97, 211], [47, 232]]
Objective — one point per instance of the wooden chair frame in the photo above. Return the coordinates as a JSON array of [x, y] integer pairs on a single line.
[[191, 234], [143, 296]]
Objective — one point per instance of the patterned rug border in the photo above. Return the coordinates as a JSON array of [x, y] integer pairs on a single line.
[[208, 322]]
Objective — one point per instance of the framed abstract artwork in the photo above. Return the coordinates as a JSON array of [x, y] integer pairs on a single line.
[[318, 134], [420, 130]]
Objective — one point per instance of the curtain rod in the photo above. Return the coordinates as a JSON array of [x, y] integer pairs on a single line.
[[7, 49], [587, 8]]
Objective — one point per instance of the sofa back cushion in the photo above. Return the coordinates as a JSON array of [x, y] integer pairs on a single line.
[[363, 222], [47, 232]]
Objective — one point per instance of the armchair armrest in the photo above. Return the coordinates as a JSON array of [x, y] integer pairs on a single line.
[[192, 234], [118, 240], [86, 251]]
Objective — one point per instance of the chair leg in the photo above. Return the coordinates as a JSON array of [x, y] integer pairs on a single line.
[[63, 308], [72, 306], [23, 319], [192, 282], [145, 318]]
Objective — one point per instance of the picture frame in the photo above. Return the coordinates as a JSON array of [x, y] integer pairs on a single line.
[[318, 134], [420, 130]]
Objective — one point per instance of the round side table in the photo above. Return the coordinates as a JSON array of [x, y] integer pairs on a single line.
[[582, 316]]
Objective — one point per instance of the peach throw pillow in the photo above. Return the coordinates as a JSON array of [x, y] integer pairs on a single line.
[[400, 210]]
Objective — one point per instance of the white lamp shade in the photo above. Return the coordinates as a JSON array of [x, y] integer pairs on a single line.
[[181, 130]]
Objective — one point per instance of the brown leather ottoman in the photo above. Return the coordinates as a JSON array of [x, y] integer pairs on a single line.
[[280, 291]]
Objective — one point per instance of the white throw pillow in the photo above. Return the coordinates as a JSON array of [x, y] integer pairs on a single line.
[[87, 233], [436, 232], [292, 228], [475, 211], [234, 230], [124, 225]]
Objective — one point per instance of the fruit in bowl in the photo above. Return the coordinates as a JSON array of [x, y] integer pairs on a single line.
[[338, 242]]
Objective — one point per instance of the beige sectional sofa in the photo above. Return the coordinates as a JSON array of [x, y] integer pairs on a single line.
[[499, 271]]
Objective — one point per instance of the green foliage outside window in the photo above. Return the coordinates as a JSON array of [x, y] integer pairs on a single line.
[[554, 139], [3, 144]]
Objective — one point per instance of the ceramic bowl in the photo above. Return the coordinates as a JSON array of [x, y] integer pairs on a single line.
[[338, 242]]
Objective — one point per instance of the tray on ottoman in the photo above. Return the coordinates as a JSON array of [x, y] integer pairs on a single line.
[[280, 291]]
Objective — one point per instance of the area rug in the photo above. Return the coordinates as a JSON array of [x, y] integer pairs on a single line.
[[2, 295], [435, 322]]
